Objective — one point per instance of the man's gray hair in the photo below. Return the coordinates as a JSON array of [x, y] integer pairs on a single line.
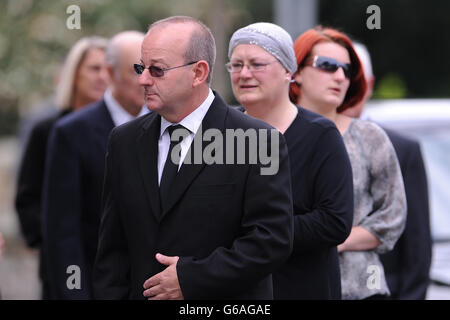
[[364, 57], [201, 45], [114, 48]]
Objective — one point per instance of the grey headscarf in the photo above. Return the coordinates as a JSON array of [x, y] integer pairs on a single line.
[[272, 38]]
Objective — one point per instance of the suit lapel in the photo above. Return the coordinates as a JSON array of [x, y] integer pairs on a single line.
[[148, 161], [214, 118]]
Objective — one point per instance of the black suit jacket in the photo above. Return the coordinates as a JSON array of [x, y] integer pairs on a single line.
[[72, 196], [407, 266], [230, 225]]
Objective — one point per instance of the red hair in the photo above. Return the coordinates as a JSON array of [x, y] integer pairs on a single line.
[[303, 47]]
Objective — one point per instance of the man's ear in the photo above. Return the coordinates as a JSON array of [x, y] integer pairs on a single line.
[[201, 72], [111, 72]]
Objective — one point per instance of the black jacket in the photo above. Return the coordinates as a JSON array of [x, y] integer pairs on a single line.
[[72, 196], [28, 200], [407, 266], [230, 225], [322, 192]]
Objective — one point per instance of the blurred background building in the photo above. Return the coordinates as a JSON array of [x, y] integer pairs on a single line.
[[409, 54]]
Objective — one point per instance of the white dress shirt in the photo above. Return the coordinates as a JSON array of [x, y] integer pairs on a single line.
[[118, 114], [191, 122]]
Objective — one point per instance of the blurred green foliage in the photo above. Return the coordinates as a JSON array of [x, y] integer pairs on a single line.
[[34, 38], [413, 43], [391, 86]]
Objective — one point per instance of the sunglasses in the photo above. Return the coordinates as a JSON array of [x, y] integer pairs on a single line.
[[156, 72], [330, 65]]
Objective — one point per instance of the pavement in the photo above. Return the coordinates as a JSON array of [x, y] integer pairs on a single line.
[[19, 266]]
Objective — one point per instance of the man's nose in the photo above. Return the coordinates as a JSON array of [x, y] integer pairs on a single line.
[[145, 79]]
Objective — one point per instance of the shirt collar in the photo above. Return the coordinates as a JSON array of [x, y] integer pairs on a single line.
[[118, 114], [193, 120]]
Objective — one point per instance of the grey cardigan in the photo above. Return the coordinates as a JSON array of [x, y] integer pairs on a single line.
[[380, 207]]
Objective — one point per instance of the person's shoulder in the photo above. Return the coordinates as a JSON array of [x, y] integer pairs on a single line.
[[88, 114], [45, 122], [366, 127], [398, 138], [317, 129], [133, 127], [39, 129], [237, 118], [315, 120], [370, 134]]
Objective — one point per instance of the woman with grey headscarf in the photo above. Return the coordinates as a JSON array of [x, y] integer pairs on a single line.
[[262, 62]]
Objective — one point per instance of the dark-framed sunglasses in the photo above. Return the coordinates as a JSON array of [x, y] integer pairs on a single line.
[[330, 65], [156, 72]]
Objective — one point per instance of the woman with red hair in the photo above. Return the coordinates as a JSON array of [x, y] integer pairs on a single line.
[[330, 79]]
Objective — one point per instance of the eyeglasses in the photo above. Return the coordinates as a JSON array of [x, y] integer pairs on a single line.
[[235, 67], [330, 65], [156, 72]]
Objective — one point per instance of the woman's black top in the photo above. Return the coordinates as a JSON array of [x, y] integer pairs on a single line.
[[322, 189]]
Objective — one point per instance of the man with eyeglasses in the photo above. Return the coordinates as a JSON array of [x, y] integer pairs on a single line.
[[74, 172], [173, 229]]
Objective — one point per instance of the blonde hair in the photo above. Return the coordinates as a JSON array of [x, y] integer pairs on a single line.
[[65, 89]]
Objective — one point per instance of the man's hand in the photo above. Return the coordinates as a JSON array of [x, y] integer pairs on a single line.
[[164, 285]]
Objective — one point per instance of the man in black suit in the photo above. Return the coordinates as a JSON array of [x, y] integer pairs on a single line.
[[197, 229], [75, 169], [407, 266]]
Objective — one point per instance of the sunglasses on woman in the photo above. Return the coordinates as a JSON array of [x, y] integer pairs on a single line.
[[156, 72], [330, 65]]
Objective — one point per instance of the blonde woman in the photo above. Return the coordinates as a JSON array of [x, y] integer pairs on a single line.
[[83, 80]]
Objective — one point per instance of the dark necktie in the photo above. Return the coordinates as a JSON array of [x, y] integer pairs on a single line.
[[170, 167]]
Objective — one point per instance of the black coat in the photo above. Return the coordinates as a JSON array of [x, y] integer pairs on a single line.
[[30, 179], [230, 225], [72, 196], [28, 200], [407, 266]]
